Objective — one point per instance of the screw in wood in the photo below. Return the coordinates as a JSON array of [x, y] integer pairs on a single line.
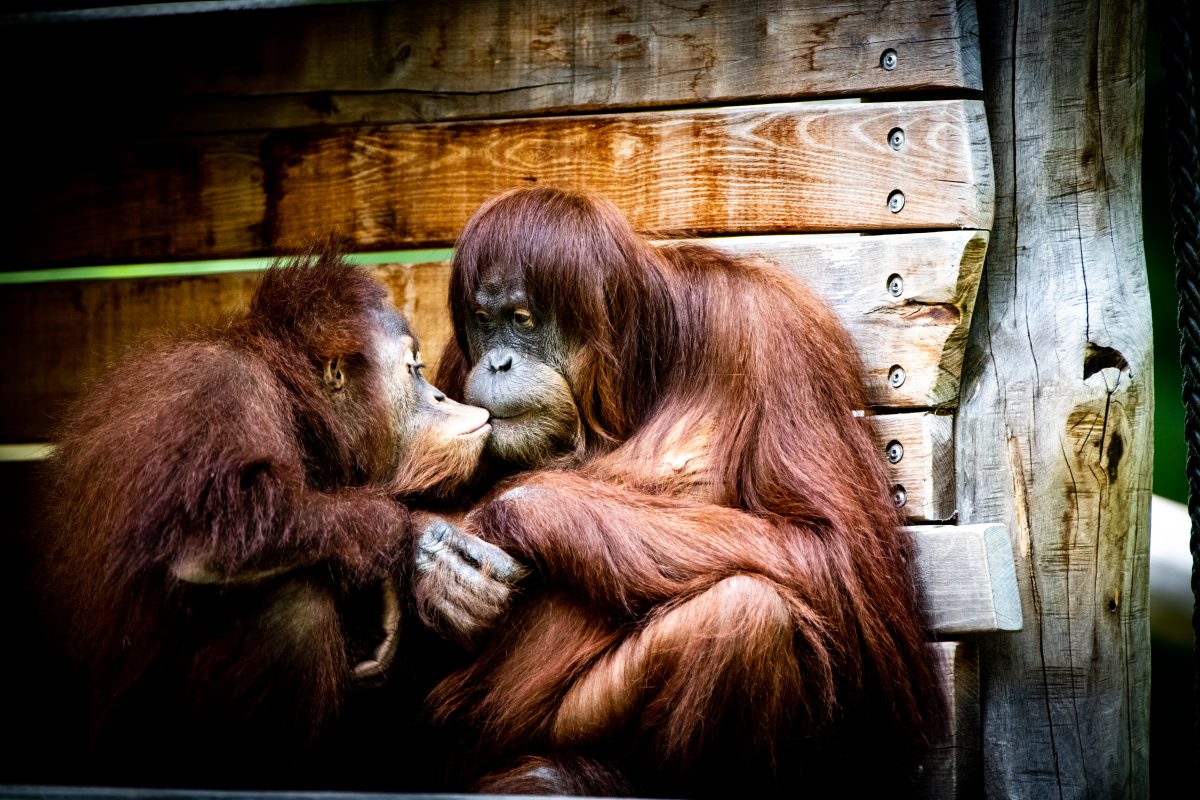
[[895, 451], [896, 138], [896, 201], [896, 376], [889, 59], [899, 496], [895, 285]]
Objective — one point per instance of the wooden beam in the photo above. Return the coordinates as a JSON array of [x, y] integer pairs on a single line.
[[952, 767], [472, 59], [68, 328], [758, 169], [1055, 427], [918, 449], [967, 575]]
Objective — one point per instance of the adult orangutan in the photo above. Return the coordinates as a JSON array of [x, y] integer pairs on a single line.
[[721, 597], [226, 503]]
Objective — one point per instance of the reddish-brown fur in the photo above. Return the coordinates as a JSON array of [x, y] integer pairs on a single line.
[[727, 598], [212, 512]]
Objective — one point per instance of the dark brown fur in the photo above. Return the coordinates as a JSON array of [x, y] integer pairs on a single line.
[[727, 598], [213, 505]]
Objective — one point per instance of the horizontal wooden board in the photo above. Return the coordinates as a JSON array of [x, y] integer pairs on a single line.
[[783, 168], [968, 578], [924, 474], [155, 201], [754, 169], [67, 329], [470, 59]]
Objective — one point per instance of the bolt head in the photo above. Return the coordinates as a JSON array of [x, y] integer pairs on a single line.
[[896, 138], [899, 496], [889, 59], [895, 285], [896, 201], [896, 377], [895, 451]]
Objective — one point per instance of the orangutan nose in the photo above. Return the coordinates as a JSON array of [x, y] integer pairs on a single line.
[[499, 360]]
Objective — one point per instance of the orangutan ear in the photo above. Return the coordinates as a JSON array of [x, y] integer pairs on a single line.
[[335, 376]]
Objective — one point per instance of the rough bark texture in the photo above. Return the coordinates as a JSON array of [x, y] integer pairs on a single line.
[[1054, 433]]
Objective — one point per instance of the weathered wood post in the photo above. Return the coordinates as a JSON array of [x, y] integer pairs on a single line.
[[1054, 433]]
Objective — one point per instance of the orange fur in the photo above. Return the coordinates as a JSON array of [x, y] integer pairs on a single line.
[[724, 493]]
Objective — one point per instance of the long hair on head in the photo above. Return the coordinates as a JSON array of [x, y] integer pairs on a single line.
[[584, 267]]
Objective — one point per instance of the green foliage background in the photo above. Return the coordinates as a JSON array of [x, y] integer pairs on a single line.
[[1169, 448]]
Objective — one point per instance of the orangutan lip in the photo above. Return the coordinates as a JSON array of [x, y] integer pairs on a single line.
[[513, 417], [483, 427]]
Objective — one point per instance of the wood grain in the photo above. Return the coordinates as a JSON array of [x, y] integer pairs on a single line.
[[968, 577], [1054, 433], [471, 59], [782, 168], [69, 328], [161, 200], [754, 169]]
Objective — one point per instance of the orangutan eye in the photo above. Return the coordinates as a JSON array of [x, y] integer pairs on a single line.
[[482, 317], [523, 318]]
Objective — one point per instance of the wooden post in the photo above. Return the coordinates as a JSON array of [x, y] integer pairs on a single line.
[[1054, 432]]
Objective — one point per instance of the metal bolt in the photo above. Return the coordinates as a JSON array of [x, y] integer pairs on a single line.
[[896, 138], [916, 772], [895, 285], [889, 59], [896, 201], [896, 376], [899, 496], [895, 451]]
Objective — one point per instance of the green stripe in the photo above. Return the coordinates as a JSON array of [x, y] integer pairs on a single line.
[[25, 452], [181, 269]]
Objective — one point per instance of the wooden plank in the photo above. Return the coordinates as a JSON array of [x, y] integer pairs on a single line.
[[783, 168], [918, 449], [471, 59], [1055, 432], [68, 328], [951, 769], [967, 575], [160, 200]]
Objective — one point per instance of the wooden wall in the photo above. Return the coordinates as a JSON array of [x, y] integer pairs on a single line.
[[233, 135], [848, 141]]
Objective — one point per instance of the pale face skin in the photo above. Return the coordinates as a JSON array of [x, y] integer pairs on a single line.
[[463, 583], [432, 444]]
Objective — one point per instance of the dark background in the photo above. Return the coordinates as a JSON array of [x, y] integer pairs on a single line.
[[1172, 747]]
